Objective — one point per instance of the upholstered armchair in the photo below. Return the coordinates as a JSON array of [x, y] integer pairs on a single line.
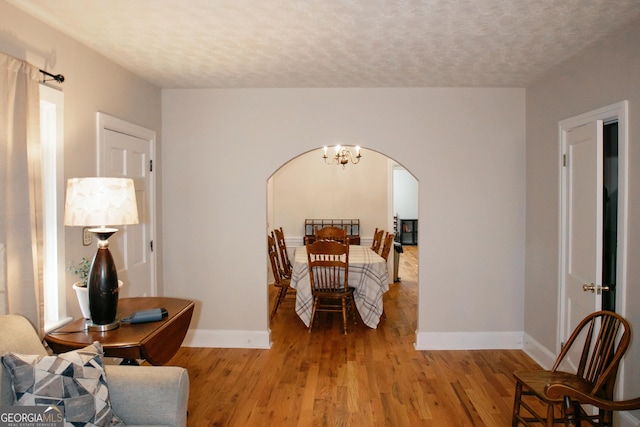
[[139, 395]]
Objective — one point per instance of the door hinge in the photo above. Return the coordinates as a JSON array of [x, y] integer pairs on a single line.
[[150, 165], [564, 160], [151, 245]]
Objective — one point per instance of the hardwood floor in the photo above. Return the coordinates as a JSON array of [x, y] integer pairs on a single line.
[[370, 377]]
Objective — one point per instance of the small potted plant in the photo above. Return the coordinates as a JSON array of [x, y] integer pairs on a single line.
[[82, 271], [81, 287]]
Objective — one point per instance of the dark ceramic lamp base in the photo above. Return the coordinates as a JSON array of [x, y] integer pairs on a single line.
[[103, 285]]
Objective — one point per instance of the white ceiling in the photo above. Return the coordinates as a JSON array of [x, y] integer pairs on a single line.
[[336, 43]]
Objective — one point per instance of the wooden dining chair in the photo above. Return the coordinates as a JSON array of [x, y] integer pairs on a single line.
[[388, 244], [282, 283], [285, 263], [605, 337], [570, 394], [377, 240], [331, 233], [329, 276], [273, 246], [386, 249]]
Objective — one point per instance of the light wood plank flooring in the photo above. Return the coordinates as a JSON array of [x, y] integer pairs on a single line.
[[370, 377]]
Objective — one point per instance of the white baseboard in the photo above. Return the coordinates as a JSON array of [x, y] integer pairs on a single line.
[[424, 340], [293, 242], [227, 339], [468, 340], [539, 353], [625, 419]]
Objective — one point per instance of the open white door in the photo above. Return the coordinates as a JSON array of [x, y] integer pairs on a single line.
[[582, 197], [126, 150], [583, 224]]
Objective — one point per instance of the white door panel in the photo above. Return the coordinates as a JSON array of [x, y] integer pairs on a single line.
[[125, 151], [584, 224]]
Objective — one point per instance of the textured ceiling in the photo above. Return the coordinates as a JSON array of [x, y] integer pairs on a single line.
[[336, 43]]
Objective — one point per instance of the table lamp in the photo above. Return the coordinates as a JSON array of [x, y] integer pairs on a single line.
[[99, 203]]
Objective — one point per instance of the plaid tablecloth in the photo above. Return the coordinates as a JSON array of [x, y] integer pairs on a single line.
[[368, 274]]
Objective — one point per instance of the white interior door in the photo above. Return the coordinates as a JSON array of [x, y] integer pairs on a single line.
[[573, 269], [126, 150], [583, 224]]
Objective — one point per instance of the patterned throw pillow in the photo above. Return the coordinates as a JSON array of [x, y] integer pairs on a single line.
[[75, 381]]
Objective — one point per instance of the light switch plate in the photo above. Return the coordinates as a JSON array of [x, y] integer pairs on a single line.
[[86, 236]]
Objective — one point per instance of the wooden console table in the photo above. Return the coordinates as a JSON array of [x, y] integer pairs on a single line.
[[155, 342]]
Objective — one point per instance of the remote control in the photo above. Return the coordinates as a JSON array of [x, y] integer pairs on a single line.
[[150, 315]]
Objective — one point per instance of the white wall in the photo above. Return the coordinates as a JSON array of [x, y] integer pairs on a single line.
[[405, 194], [464, 146], [306, 187]]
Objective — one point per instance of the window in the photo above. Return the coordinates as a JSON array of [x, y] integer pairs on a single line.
[[52, 140]]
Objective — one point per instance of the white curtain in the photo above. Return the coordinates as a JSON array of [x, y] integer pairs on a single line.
[[21, 239]]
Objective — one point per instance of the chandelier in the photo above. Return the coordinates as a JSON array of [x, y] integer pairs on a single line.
[[342, 156]]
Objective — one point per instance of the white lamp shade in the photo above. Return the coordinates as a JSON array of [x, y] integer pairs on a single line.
[[100, 202]]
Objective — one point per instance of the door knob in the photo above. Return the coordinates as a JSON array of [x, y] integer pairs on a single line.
[[591, 287]]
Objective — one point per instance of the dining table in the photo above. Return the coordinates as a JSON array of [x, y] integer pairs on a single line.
[[368, 275]]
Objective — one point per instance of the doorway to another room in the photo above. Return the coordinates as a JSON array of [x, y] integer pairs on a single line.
[[610, 214], [375, 191]]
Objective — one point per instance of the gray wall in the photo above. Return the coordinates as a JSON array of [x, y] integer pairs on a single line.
[[603, 75]]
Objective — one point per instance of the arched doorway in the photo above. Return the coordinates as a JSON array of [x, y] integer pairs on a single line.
[[307, 188]]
